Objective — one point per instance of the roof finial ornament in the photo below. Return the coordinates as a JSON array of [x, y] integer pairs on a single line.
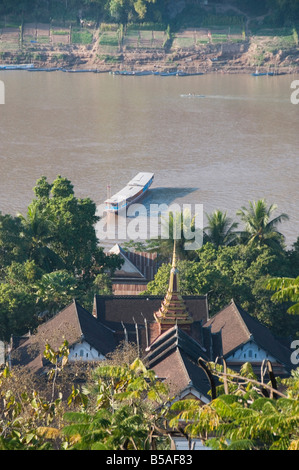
[[173, 310], [174, 259]]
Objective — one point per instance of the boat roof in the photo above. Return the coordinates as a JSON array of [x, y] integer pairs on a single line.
[[124, 193], [132, 187], [140, 179]]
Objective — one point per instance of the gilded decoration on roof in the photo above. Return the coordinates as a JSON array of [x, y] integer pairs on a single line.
[[173, 309]]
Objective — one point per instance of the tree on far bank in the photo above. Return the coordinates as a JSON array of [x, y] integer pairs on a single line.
[[124, 11]]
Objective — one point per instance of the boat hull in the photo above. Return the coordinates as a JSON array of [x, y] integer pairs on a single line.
[[130, 194], [16, 66]]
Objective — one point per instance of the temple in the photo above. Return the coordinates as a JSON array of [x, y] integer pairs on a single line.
[[171, 333]]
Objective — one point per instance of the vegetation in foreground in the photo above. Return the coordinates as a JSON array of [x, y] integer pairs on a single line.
[[122, 405]]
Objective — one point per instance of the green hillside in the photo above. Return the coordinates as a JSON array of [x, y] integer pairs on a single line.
[[176, 13]]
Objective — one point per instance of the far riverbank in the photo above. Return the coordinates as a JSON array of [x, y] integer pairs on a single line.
[[226, 55]]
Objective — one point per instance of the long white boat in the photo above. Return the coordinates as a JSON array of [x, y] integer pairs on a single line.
[[133, 191], [16, 66]]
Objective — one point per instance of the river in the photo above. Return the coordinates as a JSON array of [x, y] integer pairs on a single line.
[[215, 140]]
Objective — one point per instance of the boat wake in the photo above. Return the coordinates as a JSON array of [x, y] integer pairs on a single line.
[[234, 98]]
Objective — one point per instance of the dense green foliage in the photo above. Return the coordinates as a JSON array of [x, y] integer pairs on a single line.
[[287, 289], [50, 256], [236, 264], [127, 401], [276, 12], [116, 409], [249, 415], [260, 228], [124, 406], [221, 230]]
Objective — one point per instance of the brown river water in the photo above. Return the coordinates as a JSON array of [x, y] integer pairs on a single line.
[[215, 140]]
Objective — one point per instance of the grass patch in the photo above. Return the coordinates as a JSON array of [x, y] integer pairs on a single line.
[[109, 59], [81, 37], [59, 57], [10, 24], [109, 27], [43, 39], [146, 27], [9, 47], [183, 42], [223, 21], [280, 41], [132, 33], [59, 32], [109, 39], [219, 38]]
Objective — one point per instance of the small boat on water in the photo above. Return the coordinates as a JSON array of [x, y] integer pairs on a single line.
[[168, 74], [133, 191], [79, 70], [258, 74], [123, 72], [188, 74], [16, 66], [143, 72], [132, 73], [43, 69], [178, 73]]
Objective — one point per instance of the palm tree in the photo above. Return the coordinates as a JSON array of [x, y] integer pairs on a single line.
[[287, 290], [259, 228], [38, 236], [55, 290], [179, 226], [220, 229]]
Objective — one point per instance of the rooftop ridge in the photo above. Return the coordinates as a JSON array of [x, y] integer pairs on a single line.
[[150, 296]]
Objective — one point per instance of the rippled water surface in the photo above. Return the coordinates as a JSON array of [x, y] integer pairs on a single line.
[[216, 140]]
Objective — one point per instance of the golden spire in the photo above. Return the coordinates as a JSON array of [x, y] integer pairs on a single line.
[[174, 255], [173, 309], [174, 275]]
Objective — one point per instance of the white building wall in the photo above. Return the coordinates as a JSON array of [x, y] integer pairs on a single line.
[[84, 352], [191, 392], [182, 444], [250, 352]]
